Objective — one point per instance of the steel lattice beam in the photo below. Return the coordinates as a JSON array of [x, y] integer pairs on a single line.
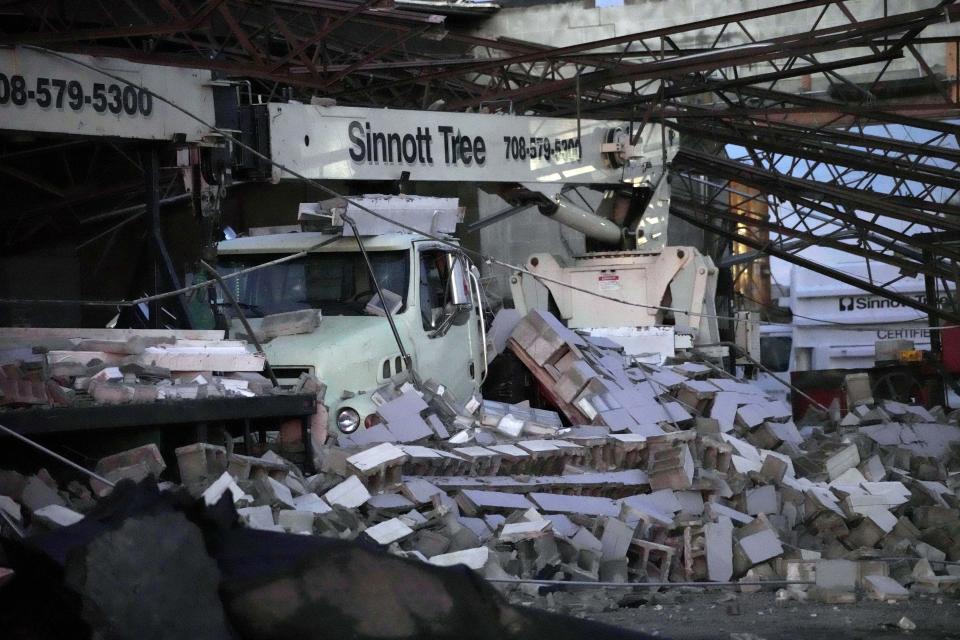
[[834, 164], [689, 211]]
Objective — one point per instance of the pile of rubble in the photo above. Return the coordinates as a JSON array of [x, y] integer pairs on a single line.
[[44, 367], [672, 473]]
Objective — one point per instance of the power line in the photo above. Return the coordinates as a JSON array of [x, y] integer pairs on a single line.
[[484, 257], [845, 326]]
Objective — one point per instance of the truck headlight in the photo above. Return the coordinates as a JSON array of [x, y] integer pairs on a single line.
[[348, 420]]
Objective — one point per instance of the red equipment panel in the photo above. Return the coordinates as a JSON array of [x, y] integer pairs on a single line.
[[951, 348]]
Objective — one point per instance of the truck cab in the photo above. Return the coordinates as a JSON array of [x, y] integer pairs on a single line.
[[353, 350]]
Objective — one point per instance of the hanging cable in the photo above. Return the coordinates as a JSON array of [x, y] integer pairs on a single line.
[[56, 456], [329, 191]]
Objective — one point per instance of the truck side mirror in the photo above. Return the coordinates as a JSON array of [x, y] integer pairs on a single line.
[[458, 303]]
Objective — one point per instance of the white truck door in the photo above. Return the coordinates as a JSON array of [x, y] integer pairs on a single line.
[[450, 356]]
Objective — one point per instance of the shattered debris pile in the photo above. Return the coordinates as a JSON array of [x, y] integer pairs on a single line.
[[670, 473], [44, 369]]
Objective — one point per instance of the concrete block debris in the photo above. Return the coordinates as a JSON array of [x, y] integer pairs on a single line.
[[673, 472], [48, 368]]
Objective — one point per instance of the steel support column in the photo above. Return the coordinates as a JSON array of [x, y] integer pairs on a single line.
[[164, 272]]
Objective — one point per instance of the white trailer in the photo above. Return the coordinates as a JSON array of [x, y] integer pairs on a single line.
[[836, 325]]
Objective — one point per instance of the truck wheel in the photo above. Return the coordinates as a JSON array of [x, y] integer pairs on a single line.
[[899, 386]]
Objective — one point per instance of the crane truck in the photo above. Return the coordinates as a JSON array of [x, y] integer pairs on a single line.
[[529, 161], [435, 294]]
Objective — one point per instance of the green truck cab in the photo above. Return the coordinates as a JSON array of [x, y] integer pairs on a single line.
[[352, 350]]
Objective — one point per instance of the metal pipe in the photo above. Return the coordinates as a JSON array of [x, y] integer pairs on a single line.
[[483, 324], [589, 224], [899, 558], [53, 454], [376, 285], [938, 394], [137, 208], [658, 585], [495, 218], [251, 335], [8, 520], [579, 139]]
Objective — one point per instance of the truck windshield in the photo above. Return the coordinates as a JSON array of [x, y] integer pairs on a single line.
[[336, 283]]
